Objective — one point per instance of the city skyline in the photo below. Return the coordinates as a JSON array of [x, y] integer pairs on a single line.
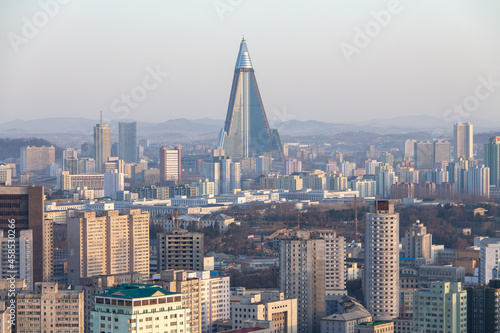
[[390, 66]]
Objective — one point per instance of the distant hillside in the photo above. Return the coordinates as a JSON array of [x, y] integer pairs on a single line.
[[11, 148]]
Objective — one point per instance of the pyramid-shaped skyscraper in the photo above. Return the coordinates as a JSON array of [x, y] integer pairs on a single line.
[[246, 132]]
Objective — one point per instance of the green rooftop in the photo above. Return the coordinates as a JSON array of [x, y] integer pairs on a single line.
[[374, 323], [136, 290]]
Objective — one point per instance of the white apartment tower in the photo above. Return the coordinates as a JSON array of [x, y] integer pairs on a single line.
[[382, 261]]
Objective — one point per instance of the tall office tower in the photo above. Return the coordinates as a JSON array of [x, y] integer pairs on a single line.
[[270, 306], [410, 148], [246, 132], [463, 136], [50, 309], [442, 152], [127, 137], [138, 308], [22, 266], [180, 250], [25, 205], [483, 307], [335, 261], [492, 160], [417, 242], [382, 261], [36, 159], [170, 165], [423, 152], [478, 181], [443, 308], [114, 181], [102, 145], [302, 276], [107, 242], [292, 165]]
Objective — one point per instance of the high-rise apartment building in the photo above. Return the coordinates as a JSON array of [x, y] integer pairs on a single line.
[[381, 283], [22, 265], [442, 308], [114, 181], [212, 172], [428, 153], [215, 299], [127, 137], [335, 261], [36, 159], [417, 242], [50, 309], [139, 308], [492, 160], [478, 181], [463, 136], [102, 145], [24, 205], [170, 165], [177, 281], [107, 242], [292, 165], [489, 262], [302, 276], [483, 308], [246, 132], [269, 306], [180, 250]]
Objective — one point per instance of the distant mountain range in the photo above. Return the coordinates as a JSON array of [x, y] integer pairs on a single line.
[[66, 129]]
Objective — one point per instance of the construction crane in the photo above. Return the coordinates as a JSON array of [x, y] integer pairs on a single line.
[[176, 221]]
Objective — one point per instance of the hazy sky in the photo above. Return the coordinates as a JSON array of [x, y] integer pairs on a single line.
[[336, 61]]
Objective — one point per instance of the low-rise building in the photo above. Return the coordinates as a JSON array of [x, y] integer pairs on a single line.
[[344, 313]]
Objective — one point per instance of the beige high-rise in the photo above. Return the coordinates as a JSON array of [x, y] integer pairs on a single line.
[[382, 261], [417, 242], [463, 136], [108, 242], [302, 276], [102, 145], [50, 309]]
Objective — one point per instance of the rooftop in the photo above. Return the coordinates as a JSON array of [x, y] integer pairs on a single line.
[[132, 291]]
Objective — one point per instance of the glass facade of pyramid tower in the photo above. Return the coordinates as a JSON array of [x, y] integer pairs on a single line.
[[246, 132]]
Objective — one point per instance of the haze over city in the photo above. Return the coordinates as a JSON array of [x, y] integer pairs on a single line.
[[310, 58]]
